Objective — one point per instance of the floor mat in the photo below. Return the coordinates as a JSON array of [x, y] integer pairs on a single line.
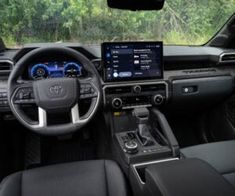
[[67, 150], [92, 142], [11, 148], [186, 131]]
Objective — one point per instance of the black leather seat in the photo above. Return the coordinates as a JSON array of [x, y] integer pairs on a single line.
[[220, 155], [88, 178]]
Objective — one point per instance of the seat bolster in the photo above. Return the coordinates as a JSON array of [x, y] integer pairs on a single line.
[[11, 186], [76, 178], [86, 178], [115, 179], [220, 155], [230, 177]]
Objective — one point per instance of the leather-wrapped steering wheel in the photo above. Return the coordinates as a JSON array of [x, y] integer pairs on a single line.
[[54, 95]]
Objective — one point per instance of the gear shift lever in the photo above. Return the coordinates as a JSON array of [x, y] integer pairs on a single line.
[[142, 118]]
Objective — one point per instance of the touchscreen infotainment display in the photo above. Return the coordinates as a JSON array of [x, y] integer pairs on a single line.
[[132, 61]]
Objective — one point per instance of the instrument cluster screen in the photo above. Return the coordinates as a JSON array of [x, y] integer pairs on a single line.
[[55, 69], [132, 61]]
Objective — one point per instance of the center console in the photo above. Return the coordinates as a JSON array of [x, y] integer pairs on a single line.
[[141, 136], [143, 142], [150, 138], [133, 91]]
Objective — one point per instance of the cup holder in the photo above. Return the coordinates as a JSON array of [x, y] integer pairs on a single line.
[[139, 169]]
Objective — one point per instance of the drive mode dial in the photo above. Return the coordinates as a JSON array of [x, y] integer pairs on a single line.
[[131, 147]]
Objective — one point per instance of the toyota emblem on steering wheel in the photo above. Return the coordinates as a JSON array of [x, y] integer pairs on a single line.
[[56, 90]]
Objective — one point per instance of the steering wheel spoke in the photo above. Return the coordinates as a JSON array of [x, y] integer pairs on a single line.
[[87, 89], [23, 94], [42, 118], [75, 117]]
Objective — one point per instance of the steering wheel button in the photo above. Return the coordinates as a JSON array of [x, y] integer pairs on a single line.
[[32, 95], [26, 95], [88, 96], [82, 90], [21, 95], [88, 90]]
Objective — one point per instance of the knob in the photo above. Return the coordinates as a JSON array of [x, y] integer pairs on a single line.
[[158, 99], [131, 147], [117, 103], [137, 89]]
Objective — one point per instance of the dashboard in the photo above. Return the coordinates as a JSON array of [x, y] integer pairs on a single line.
[[55, 69], [194, 76]]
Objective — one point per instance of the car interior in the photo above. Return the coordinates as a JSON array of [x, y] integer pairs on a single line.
[[119, 118]]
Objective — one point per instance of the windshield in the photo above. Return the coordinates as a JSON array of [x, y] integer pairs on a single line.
[[181, 22]]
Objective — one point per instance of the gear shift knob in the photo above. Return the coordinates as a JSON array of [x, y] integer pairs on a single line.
[[141, 115], [142, 118]]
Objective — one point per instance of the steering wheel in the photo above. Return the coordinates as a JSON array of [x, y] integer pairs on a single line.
[[54, 95]]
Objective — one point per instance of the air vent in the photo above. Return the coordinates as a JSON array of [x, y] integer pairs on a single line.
[[155, 87], [97, 64], [227, 58], [172, 66], [5, 67], [118, 90], [199, 71]]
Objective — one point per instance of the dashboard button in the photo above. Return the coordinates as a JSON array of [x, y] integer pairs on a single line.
[[158, 99], [189, 89], [117, 103], [137, 89]]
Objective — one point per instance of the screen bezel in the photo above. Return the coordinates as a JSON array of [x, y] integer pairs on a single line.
[[104, 44]]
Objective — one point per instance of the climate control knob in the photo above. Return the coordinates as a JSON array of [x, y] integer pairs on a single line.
[[137, 89], [117, 103], [158, 99]]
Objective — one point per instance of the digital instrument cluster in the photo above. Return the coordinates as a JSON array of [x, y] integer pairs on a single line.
[[54, 69]]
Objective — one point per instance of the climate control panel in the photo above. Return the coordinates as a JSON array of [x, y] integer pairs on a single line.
[[128, 96]]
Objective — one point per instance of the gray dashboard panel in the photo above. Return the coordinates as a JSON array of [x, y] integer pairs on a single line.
[[210, 87], [206, 89]]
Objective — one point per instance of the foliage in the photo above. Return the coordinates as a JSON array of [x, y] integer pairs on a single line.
[[91, 21]]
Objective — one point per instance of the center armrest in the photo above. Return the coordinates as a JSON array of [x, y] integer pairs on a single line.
[[186, 177]]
